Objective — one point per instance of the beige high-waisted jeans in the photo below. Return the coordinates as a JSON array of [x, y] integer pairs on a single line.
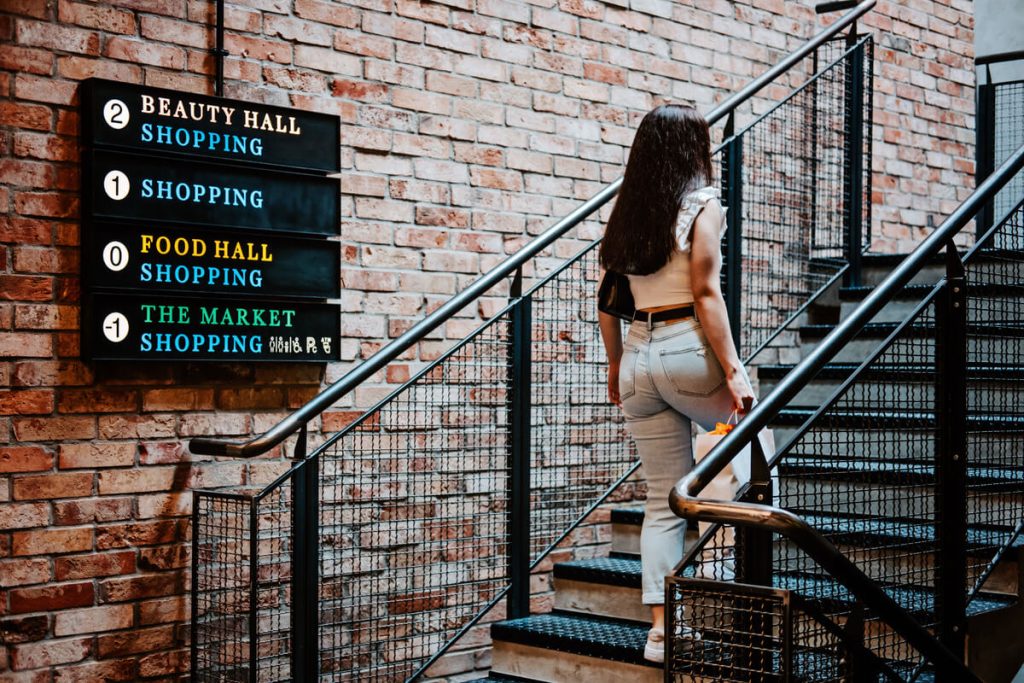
[[668, 377]]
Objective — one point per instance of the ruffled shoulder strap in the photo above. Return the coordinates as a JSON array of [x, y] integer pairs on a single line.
[[693, 204]]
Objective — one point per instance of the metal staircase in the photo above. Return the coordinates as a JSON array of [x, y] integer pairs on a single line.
[[385, 544]]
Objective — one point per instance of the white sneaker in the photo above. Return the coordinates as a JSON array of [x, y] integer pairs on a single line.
[[654, 651]]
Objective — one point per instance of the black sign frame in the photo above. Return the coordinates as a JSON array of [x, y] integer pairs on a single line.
[[299, 267], [317, 149], [320, 322], [312, 204]]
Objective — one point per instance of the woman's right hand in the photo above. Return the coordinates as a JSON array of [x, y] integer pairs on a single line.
[[742, 394]]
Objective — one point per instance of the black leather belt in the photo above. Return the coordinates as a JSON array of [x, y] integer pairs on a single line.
[[662, 316]]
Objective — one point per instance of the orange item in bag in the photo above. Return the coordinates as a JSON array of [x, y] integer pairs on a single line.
[[722, 428]]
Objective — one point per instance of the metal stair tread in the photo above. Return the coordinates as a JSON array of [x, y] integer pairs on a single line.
[[879, 470], [890, 261], [891, 372], [632, 516], [885, 418], [603, 638], [853, 529], [617, 570], [912, 331], [918, 291], [829, 592], [503, 678]]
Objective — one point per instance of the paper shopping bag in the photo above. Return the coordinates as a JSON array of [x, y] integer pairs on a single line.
[[733, 476]]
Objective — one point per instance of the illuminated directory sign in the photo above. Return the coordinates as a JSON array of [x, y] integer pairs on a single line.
[[130, 327], [169, 259], [166, 122], [205, 226]]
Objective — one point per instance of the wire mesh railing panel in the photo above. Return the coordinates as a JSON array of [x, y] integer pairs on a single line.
[[995, 388], [579, 444], [414, 515], [795, 176], [863, 474], [1008, 135], [720, 632], [222, 628], [275, 553]]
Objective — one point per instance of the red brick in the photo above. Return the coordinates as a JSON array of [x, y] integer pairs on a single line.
[[57, 37], [143, 533], [24, 572], [26, 402], [98, 401], [91, 16], [47, 541], [51, 373], [23, 515], [136, 642], [163, 453], [48, 89], [161, 559], [139, 587], [90, 672], [163, 610], [25, 459], [25, 345], [51, 204], [139, 480], [96, 454], [139, 52], [32, 8], [250, 398], [327, 12], [72, 512], [24, 230], [54, 428], [94, 565], [32, 116], [164, 663], [26, 59], [93, 620], [49, 653], [49, 486], [52, 598], [23, 629], [26, 288], [79, 68]]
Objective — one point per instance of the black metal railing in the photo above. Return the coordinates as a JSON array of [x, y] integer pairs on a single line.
[[1000, 130], [896, 496], [384, 545]]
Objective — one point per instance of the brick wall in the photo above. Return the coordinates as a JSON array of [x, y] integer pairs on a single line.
[[468, 125]]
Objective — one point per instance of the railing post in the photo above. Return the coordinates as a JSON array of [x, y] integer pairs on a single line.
[[985, 146], [305, 565], [951, 457], [853, 179], [732, 191], [754, 566], [519, 456]]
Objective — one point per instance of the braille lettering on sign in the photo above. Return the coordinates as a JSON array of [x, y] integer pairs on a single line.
[[129, 327], [134, 187], [156, 258], [142, 118]]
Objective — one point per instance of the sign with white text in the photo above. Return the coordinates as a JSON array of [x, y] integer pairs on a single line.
[[134, 187], [162, 259], [130, 327], [154, 120]]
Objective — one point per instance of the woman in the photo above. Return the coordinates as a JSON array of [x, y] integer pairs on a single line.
[[679, 362]]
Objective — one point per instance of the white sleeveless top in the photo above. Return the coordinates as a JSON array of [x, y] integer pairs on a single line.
[[670, 285]]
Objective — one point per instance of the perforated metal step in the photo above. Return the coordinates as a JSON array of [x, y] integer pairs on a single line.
[[609, 571], [621, 641]]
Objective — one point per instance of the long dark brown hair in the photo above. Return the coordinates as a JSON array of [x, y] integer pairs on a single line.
[[670, 157]]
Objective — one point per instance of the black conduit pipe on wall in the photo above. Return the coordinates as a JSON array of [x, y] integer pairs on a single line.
[[219, 52]]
